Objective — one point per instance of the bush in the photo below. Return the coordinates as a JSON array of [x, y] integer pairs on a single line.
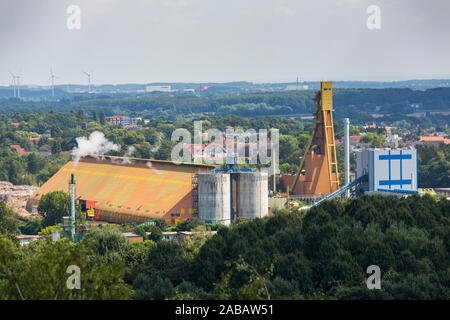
[[53, 206], [141, 232], [155, 233], [9, 220], [107, 242], [155, 287], [189, 224], [31, 225]]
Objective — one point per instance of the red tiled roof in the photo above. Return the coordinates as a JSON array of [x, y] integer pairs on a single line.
[[432, 139], [18, 148], [118, 117], [129, 127], [28, 236], [192, 146]]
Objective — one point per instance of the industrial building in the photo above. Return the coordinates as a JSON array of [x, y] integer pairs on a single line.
[[123, 120], [383, 171], [391, 171], [224, 194], [122, 190], [318, 172], [161, 88], [131, 190], [388, 170]]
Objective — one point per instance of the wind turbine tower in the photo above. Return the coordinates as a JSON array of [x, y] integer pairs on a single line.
[[52, 78], [13, 78], [18, 85], [89, 80]]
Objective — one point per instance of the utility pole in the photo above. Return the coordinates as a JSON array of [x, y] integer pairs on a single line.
[[347, 154]]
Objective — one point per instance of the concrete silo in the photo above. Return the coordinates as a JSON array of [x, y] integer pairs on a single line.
[[214, 198], [252, 194]]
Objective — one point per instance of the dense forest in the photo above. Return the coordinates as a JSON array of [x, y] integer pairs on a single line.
[[434, 166], [322, 253], [358, 104]]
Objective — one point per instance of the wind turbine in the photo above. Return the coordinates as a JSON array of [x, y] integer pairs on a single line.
[[18, 82], [13, 78], [89, 80], [18, 85], [52, 77]]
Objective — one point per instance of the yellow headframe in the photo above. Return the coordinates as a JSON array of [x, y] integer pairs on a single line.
[[327, 95]]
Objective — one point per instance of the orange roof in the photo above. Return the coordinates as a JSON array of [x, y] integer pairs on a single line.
[[355, 138], [18, 148], [432, 138], [130, 126], [129, 192]]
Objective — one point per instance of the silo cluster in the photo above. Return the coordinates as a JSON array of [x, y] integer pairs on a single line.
[[251, 196]]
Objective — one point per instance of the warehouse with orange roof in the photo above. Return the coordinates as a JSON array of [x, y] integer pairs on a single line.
[[129, 190]]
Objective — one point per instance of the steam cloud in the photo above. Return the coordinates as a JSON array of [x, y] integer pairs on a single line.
[[129, 153], [157, 144], [95, 144]]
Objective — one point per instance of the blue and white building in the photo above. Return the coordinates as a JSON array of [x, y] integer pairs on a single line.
[[391, 171]]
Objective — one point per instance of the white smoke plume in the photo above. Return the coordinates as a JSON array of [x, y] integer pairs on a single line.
[[129, 153], [157, 144], [95, 144]]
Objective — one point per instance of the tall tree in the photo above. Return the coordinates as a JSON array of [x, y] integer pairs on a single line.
[[9, 220], [102, 117], [56, 147], [53, 206]]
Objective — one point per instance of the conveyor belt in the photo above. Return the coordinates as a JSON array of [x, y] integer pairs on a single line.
[[333, 195]]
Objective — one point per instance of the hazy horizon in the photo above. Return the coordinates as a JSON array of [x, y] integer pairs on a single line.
[[218, 82], [200, 41]]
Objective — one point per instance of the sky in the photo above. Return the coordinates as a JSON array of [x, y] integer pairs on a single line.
[[144, 41]]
